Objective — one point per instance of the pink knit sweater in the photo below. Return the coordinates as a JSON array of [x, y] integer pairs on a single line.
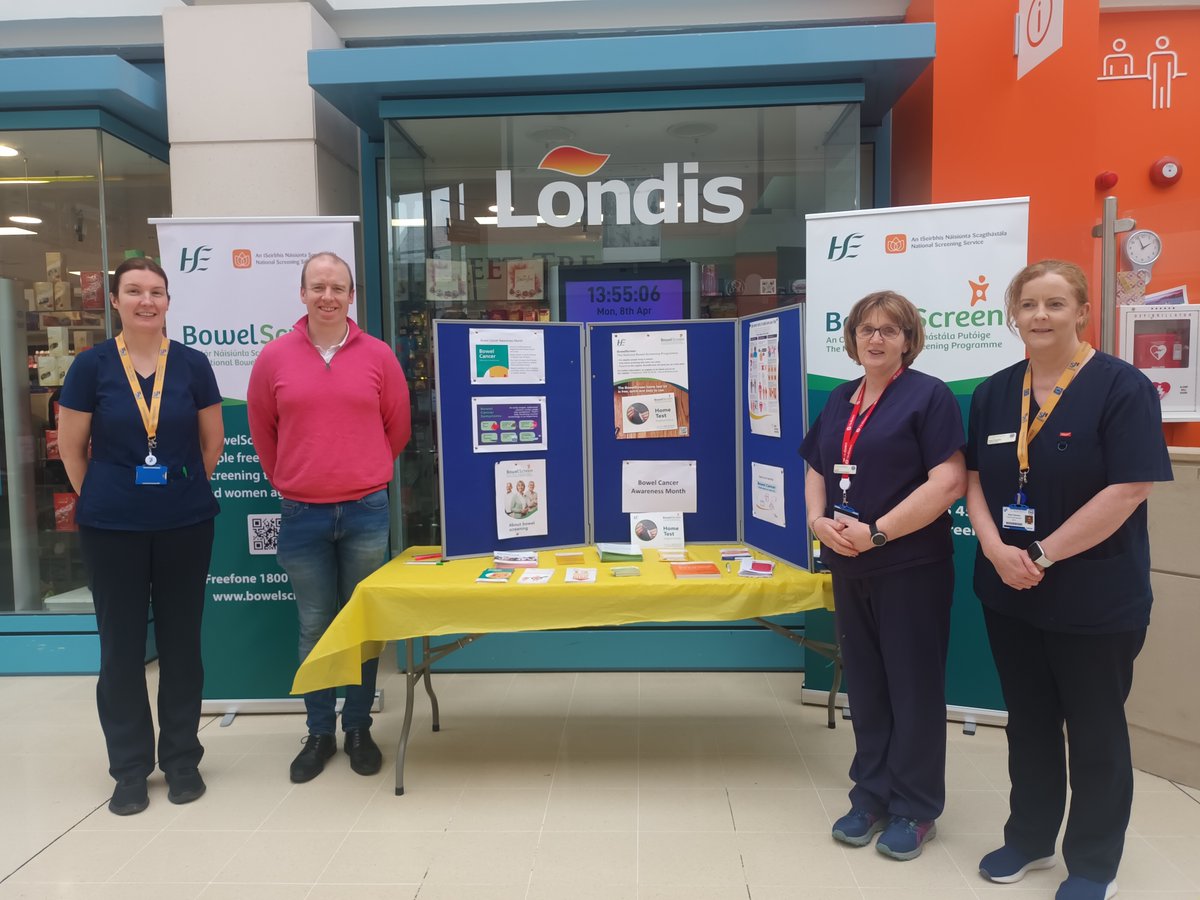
[[327, 433]]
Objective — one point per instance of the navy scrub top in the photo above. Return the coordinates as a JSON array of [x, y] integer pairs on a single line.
[[918, 425], [96, 384], [1106, 429]]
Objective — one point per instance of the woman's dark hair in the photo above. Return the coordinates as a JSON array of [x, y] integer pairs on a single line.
[[137, 264]]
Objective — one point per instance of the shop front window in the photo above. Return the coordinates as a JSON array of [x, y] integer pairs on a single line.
[[73, 204], [687, 213]]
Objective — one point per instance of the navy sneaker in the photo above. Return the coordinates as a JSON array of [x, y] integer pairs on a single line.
[[857, 827], [1077, 888], [1008, 865], [902, 839]]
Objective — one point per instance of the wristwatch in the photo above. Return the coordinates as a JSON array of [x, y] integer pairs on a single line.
[[1038, 555], [878, 538]]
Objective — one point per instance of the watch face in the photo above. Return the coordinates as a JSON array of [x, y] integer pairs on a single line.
[[1143, 247]]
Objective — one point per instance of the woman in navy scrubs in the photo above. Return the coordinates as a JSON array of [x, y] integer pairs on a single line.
[[886, 462], [1061, 453], [152, 412]]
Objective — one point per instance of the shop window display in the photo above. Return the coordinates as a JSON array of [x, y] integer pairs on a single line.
[[494, 218], [57, 218]]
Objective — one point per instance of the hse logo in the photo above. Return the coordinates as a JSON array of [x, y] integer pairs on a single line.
[[895, 243], [242, 259], [839, 250], [653, 201], [190, 262]]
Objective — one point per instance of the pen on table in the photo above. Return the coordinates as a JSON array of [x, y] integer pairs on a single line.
[[727, 567]]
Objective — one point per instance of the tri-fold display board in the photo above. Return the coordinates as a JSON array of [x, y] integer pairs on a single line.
[[557, 434]]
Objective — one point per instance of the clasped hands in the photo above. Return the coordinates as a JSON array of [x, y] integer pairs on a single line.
[[844, 538]]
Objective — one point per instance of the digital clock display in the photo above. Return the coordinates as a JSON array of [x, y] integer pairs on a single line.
[[628, 300]]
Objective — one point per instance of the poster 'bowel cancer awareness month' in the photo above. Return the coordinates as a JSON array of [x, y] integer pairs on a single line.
[[507, 356]]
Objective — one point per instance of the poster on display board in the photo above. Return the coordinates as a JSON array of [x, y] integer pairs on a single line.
[[650, 384], [235, 286], [953, 261]]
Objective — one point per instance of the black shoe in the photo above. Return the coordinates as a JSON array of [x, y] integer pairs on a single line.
[[185, 786], [365, 758], [311, 760], [129, 797]]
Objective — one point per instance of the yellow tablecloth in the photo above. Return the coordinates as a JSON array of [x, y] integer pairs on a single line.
[[402, 601]]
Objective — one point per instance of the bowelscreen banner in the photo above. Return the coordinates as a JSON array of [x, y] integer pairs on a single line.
[[953, 261], [235, 286]]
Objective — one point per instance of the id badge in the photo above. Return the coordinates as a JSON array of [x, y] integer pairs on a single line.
[[844, 512], [150, 475], [1017, 518]]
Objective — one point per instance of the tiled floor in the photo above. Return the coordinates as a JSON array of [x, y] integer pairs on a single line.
[[539, 787]]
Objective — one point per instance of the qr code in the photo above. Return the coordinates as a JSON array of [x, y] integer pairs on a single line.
[[263, 532]]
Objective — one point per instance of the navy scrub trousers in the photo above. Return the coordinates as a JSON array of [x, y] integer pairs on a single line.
[[1052, 677], [132, 573], [894, 631]]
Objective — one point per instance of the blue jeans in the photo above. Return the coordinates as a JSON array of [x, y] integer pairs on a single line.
[[326, 550]]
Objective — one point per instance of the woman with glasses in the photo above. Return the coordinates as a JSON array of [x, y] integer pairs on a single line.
[[151, 410], [1061, 452], [885, 463]]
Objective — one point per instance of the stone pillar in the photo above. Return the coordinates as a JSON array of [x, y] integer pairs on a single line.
[[249, 137]]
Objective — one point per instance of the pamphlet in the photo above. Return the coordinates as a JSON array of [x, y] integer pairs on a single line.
[[619, 553], [622, 571], [535, 576], [673, 556], [696, 570], [731, 553], [756, 568], [580, 576], [568, 557], [488, 576], [514, 559]]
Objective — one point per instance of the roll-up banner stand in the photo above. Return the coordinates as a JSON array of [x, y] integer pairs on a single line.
[[953, 261], [235, 285]]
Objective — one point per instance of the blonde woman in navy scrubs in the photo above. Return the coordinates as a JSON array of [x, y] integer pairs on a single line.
[[152, 412], [886, 462], [1061, 453]]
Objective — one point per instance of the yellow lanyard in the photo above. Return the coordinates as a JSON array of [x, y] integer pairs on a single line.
[[1030, 430], [149, 413]]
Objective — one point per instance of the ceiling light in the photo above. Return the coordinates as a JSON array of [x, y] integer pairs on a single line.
[[12, 229], [552, 134], [6, 150], [691, 129], [492, 220], [408, 223], [29, 218]]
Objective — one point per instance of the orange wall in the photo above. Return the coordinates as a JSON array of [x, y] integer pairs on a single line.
[[1130, 135], [969, 130]]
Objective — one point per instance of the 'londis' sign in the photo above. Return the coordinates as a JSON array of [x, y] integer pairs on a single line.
[[685, 196]]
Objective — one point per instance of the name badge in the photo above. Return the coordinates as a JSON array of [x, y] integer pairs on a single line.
[[1002, 438], [845, 469], [844, 512], [150, 475], [1017, 518]]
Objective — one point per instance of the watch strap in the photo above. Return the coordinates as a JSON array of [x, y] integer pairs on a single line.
[[1038, 555]]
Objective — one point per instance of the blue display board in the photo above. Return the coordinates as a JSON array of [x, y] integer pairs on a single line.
[[789, 543], [712, 439], [468, 478]]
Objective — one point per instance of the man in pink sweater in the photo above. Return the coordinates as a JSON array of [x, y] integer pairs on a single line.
[[329, 414]]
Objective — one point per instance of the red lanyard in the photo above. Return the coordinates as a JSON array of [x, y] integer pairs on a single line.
[[850, 439]]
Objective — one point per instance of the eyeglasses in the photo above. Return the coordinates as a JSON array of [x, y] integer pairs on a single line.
[[887, 332]]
